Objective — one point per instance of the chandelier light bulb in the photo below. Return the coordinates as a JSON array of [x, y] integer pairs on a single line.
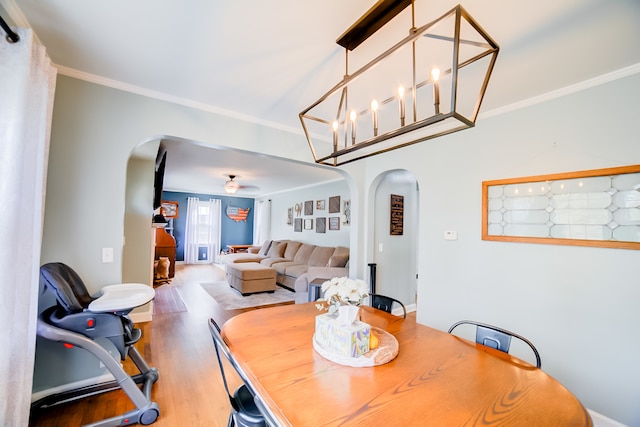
[[334, 126], [353, 116], [435, 74], [401, 103], [374, 114]]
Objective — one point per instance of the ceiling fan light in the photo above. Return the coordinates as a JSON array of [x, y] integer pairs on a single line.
[[231, 187]]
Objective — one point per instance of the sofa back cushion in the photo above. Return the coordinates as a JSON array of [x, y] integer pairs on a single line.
[[277, 249], [292, 249], [320, 256], [341, 250], [303, 254], [338, 261]]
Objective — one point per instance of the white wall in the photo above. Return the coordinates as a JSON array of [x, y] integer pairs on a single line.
[[577, 304], [94, 131], [282, 201], [396, 263], [137, 251]]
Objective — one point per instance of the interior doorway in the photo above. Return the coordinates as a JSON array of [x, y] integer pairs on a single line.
[[395, 235]]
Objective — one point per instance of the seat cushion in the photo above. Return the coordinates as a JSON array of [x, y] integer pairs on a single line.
[[281, 267], [296, 270], [271, 262]]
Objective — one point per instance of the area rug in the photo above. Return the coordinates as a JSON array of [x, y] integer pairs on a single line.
[[231, 299], [168, 300]]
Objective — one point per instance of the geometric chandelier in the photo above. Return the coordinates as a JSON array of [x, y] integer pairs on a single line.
[[430, 83]]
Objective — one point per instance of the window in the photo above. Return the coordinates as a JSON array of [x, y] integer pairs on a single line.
[[202, 230]]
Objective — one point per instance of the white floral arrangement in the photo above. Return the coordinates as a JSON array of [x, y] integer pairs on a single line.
[[343, 291]]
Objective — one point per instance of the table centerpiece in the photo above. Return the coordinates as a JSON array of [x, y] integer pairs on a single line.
[[339, 330]]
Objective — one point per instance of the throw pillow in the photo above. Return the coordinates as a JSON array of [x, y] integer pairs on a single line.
[[338, 261], [277, 250], [264, 250]]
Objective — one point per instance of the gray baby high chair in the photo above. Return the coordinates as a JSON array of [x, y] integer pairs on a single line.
[[81, 320]]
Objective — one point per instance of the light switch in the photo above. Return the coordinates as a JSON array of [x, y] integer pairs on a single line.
[[107, 255], [380, 247], [450, 235]]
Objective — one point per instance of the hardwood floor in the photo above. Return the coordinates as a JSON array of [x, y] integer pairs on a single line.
[[177, 342]]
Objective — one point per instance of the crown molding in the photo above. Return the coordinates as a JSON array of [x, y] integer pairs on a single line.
[[578, 87], [115, 84]]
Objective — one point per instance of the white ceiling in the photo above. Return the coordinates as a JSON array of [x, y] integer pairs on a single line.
[[265, 61]]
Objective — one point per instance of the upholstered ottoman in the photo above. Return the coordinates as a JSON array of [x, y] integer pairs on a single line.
[[251, 277]]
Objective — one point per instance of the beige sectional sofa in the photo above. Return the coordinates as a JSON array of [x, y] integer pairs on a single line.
[[297, 263]]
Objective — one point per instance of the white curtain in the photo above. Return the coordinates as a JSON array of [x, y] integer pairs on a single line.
[[27, 85], [216, 228], [191, 231], [262, 222], [195, 237]]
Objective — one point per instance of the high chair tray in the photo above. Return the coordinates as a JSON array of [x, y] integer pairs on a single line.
[[122, 297]]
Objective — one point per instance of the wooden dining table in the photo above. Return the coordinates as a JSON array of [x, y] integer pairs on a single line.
[[436, 379]]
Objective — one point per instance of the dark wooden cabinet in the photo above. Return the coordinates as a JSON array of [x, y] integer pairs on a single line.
[[166, 247]]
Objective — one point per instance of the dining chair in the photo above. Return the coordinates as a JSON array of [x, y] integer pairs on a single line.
[[496, 337], [385, 303], [244, 411]]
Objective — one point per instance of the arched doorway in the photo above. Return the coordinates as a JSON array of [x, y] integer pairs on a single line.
[[395, 253]]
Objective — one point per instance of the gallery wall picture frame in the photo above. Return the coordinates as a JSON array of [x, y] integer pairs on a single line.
[[334, 204], [308, 207], [297, 225], [596, 208], [321, 225], [334, 223], [320, 206], [396, 226], [169, 209], [308, 224], [290, 216], [346, 212]]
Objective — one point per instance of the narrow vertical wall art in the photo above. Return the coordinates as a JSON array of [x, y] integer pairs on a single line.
[[397, 215]]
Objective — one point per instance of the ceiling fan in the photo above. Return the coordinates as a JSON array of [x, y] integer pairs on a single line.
[[231, 186]]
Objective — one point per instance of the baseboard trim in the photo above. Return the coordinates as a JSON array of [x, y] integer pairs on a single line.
[[409, 307], [144, 316]]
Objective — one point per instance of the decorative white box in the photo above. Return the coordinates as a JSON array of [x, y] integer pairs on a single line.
[[347, 340]]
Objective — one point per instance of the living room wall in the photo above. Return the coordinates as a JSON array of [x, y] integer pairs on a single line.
[[282, 202], [232, 232]]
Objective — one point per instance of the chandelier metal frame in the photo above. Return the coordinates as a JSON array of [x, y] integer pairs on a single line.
[[336, 142]]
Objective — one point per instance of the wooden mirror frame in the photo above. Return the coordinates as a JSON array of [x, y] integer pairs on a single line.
[[619, 244]]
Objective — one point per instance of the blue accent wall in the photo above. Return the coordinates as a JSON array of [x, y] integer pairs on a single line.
[[233, 233]]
